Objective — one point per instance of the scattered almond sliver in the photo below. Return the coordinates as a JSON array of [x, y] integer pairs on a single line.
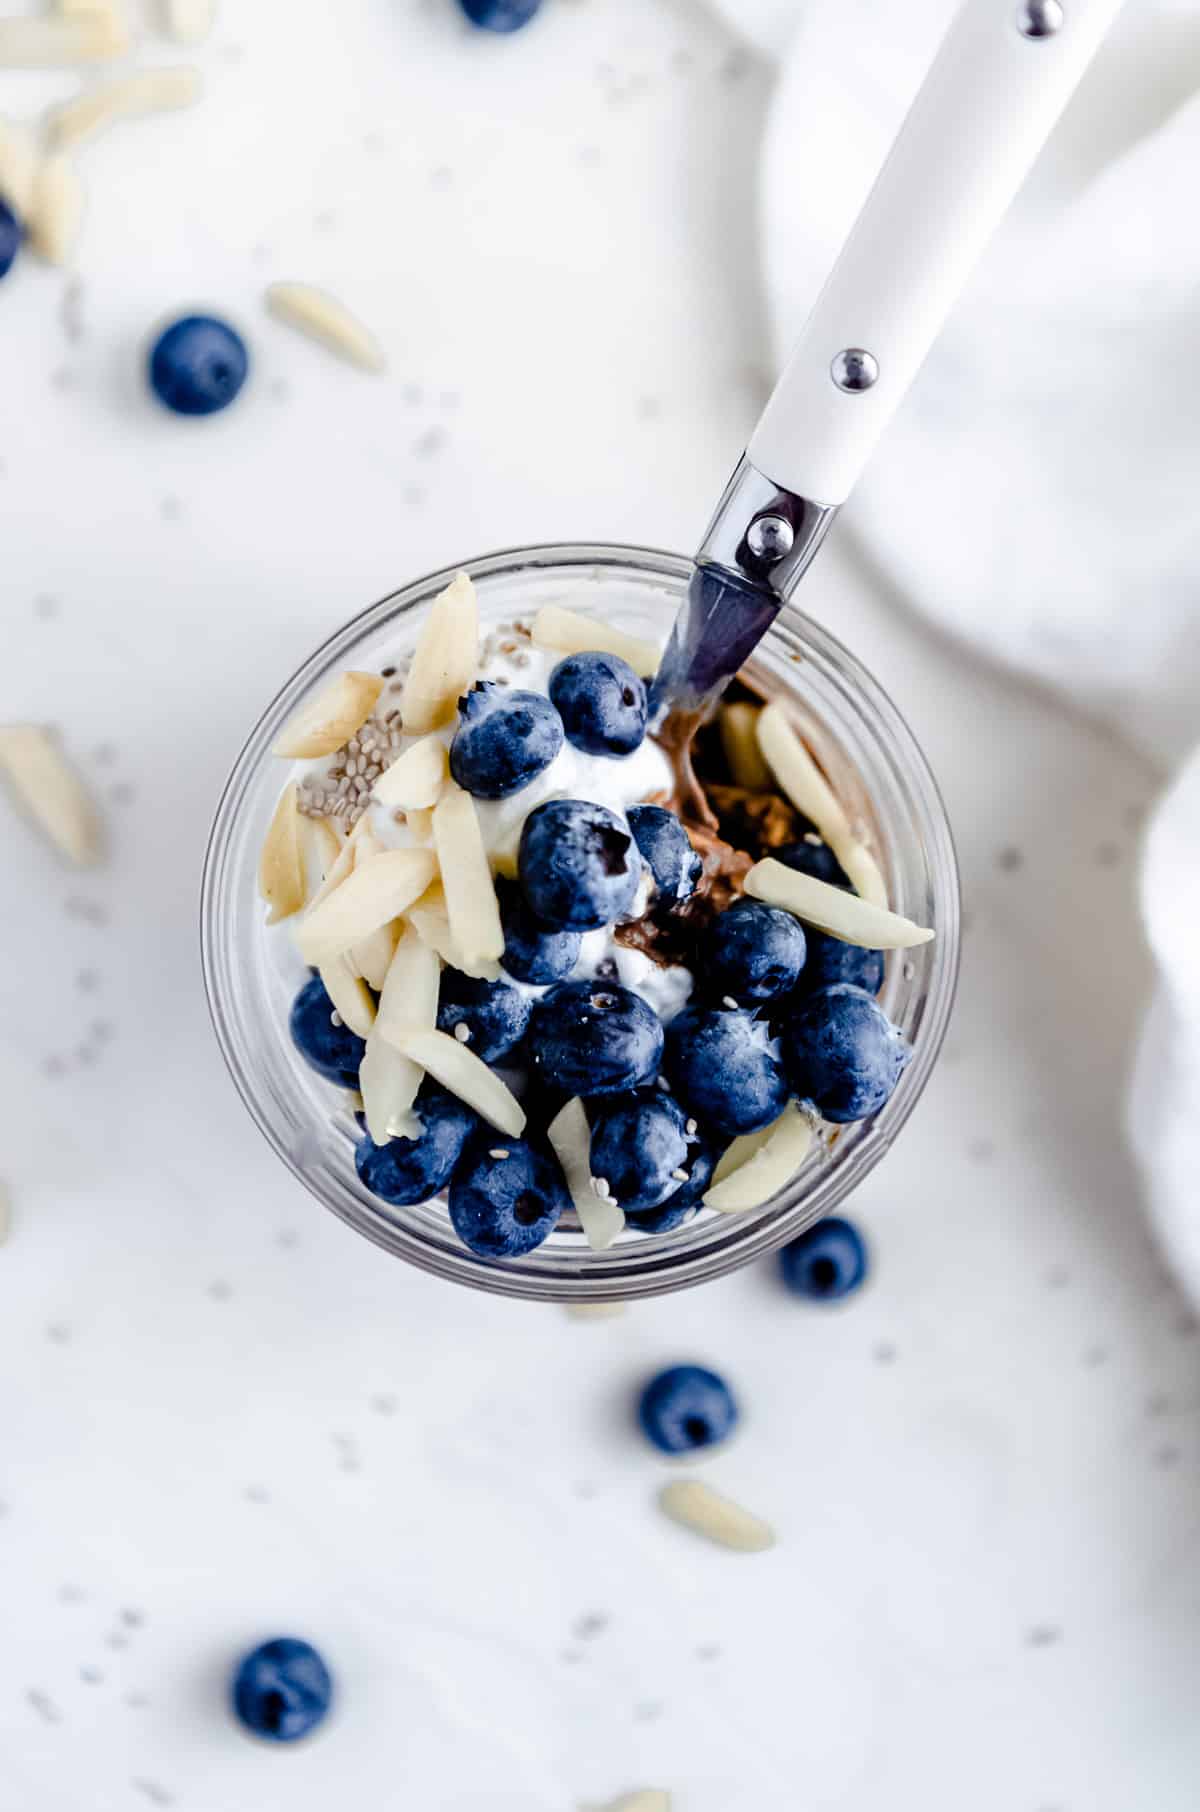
[[93, 36], [408, 1002], [343, 863], [768, 1169], [738, 725], [570, 1138], [389, 1082], [445, 660], [697, 1506], [595, 1311], [741, 1151], [471, 902], [569, 633], [322, 317], [645, 1799], [18, 167], [147, 91], [321, 849], [432, 922], [465, 1075], [381, 888], [55, 208], [415, 779], [188, 21], [839, 914], [349, 993], [810, 792], [282, 881], [372, 955], [33, 762], [324, 723]]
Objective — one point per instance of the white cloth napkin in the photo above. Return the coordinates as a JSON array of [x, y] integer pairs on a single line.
[[1036, 495]]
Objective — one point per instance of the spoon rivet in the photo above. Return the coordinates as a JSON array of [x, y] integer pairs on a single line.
[[1039, 18], [854, 370], [769, 538]]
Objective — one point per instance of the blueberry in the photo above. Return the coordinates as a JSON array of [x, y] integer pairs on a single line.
[[500, 15], [495, 1013], [700, 1163], [10, 238], [504, 739], [825, 1263], [752, 952], [595, 1038], [667, 852], [578, 863], [638, 1145], [816, 859], [198, 365], [407, 1171], [532, 951], [830, 961], [722, 1068], [686, 1408], [335, 1052], [282, 1689], [602, 703], [503, 1207], [842, 1053]]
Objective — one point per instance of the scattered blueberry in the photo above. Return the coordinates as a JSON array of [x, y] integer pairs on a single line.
[[500, 15], [282, 1689], [595, 1038], [722, 1068], [637, 1146], [198, 365], [752, 952], [495, 1013], [825, 1263], [602, 703], [682, 1204], [830, 961], [578, 863], [815, 859], [842, 1053], [335, 1052], [504, 1207], [10, 238], [686, 1408], [407, 1171], [667, 852], [504, 739], [532, 951]]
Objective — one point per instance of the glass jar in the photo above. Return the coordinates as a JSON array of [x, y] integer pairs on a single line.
[[251, 973]]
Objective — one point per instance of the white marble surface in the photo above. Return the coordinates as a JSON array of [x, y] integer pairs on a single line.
[[222, 1415]]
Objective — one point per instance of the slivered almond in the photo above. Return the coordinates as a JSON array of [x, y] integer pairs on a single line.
[[320, 848], [457, 1068], [741, 1151], [415, 779], [349, 993], [55, 209], [389, 1082], [47, 43], [148, 91], [445, 660], [808, 790], [323, 318], [282, 882], [420, 825], [567, 632], [432, 922], [46, 784], [188, 21], [595, 1311], [738, 725], [325, 722], [18, 167], [571, 1139], [344, 861], [767, 1170], [471, 902], [113, 13], [408, 1002], [381, 889], [697, 1506], [839, 914], [372, 955], [645, 1799]]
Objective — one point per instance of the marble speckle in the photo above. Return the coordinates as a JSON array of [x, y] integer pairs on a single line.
[[153, 1791], [132, 1618], [43, 1704], [1043, 1635]]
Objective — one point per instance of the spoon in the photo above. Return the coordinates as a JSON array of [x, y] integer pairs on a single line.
[[993, 93]]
